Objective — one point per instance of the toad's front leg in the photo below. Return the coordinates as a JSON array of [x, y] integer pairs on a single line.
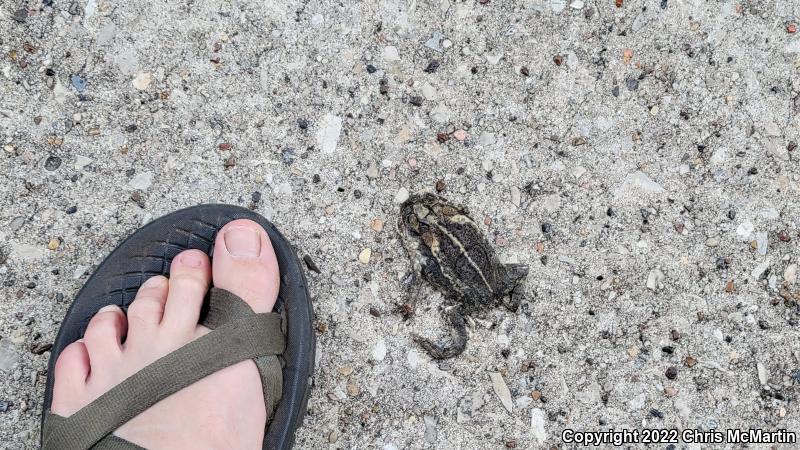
[[455, 315], [408, 308]]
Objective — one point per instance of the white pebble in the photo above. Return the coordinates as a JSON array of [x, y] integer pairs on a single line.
[[390, 53], [379, 351], [538, 418], [401, 196], [142, 80], [790, 274], [328, 134]]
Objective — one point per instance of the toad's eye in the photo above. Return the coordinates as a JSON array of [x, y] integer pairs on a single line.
[[449, 211]]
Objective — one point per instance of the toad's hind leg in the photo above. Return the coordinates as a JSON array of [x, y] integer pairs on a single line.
[[459, 332]]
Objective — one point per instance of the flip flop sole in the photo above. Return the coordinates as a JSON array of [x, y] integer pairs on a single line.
[[149, 251]]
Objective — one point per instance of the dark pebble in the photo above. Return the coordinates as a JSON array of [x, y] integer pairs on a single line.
[[668, 349], [384, 87], [21, 15], [752, 171], [656, 413], [615, 91], [303, 124], [546, 227], [543, 259], [138, 198], [663, 4], [432, 66], [38, 349], [50, 72], [30, 285], [723, 263], [505, 352], [791, 146], [315, 178], [675, 335], [131, 128], [671, 373], [357, 194], [5, 405], [255, 197], [632, 84], [731, 214], [558, 59], [442, 137], [72, 210], [524, 71], [416, 100], [52, 163], [74, 8], [763, 324], [371, 68], [374, 311], [440, 185], [312, 266]]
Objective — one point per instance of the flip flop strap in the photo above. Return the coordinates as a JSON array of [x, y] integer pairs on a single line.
[[225, 307], [240, 336]]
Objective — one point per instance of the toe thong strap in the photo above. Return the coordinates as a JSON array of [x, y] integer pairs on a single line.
[[225, 307], [238, 336]]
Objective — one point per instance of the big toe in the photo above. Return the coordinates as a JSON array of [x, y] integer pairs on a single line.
[[245, 264]]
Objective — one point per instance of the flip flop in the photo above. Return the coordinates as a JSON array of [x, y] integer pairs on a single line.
[[281, 343]]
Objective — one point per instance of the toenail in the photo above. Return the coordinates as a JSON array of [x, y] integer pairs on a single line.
[[243, 242], [191, 259], [108, 308]]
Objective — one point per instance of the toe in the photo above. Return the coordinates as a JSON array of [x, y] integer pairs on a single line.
[[190, 276], [147, 309], [103, 336], [71, 371], [245, 264]]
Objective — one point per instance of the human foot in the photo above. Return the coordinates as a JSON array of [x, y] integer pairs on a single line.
[[223, 410]]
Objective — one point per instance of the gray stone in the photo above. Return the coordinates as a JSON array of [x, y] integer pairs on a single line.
[[430, 428], [141, 181], [8, 355], [435, 42]]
